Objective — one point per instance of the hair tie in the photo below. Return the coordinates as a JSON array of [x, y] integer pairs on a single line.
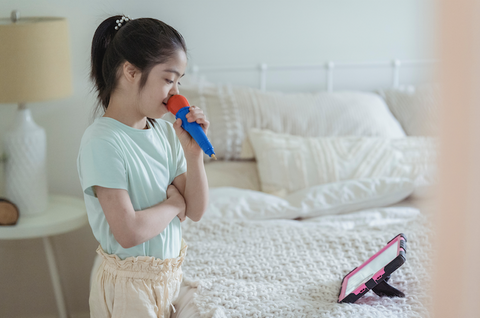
[[122, 20]]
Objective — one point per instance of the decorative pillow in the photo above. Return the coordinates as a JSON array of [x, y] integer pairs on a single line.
[[233, 111], [332, 198], [415, 108], [289, 163]]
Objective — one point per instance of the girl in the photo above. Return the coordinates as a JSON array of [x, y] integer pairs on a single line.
[[133, 168]]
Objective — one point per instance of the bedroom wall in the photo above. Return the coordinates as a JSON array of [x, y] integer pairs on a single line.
[[217, 33]]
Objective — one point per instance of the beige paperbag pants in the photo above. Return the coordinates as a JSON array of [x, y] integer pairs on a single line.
[[142, 286]]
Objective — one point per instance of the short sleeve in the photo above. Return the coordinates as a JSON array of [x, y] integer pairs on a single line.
[[180, 158], [102, 164]]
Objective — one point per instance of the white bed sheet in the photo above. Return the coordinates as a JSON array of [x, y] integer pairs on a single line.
[[393, 216]]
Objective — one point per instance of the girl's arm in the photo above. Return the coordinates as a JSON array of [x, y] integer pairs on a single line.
[[194, 187], [130, 227]]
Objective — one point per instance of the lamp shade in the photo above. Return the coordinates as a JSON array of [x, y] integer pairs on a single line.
[[34, 60]]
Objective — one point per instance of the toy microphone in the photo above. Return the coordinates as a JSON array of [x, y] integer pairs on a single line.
[[178, 105]]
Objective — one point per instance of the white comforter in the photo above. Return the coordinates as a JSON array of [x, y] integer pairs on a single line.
[[286, 268]]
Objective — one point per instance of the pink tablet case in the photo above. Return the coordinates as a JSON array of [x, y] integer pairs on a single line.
[[378, 283]]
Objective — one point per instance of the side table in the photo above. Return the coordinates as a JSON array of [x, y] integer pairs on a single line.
[[63, 214]]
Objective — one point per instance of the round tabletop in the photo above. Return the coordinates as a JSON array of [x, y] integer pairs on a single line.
[[63, 214]]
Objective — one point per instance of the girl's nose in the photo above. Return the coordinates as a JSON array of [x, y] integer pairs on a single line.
[[174, 90]]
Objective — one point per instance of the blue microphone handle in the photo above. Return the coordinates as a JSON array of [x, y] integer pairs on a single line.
[[196, 131]]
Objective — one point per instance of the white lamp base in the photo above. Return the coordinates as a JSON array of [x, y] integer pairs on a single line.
[[25, 168]]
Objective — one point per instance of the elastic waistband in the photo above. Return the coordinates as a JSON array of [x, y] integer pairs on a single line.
[[142, 266]]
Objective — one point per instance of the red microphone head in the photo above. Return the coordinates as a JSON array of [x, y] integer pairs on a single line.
[[176, 102]]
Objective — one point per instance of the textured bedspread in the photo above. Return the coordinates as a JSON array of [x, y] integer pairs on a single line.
[[281, 268]]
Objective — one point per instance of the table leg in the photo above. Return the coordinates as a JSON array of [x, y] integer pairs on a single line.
[[57, 288]]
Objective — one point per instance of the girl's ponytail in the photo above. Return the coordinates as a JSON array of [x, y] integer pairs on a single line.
[[101, 40]]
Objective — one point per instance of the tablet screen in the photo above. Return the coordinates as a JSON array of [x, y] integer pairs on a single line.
[[367, 272]]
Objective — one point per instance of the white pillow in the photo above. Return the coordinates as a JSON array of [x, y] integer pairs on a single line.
[[289, 163], [350, 195], [233, 111], [416, 108], [333, 198], [236, 203]]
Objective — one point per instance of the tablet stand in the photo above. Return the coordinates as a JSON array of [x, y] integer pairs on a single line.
[[384, 289]]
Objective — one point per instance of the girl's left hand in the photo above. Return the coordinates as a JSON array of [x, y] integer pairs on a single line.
[[190, 146]]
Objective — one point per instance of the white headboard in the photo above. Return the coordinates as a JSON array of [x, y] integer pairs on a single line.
[[395, 66]]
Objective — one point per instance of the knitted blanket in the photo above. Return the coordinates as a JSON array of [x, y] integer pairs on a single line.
[[287, 268]]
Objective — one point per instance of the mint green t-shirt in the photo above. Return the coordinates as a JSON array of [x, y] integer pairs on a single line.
[[142, 161]]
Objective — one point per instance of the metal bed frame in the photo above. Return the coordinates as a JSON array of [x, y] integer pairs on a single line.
[[329, 67]]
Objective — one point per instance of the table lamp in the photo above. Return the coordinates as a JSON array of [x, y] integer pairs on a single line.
[[34, 67]]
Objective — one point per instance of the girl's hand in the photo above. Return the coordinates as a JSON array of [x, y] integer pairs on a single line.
[[190, 146], [177, 199]]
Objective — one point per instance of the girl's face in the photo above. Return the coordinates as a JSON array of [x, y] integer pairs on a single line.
[[162, 83]]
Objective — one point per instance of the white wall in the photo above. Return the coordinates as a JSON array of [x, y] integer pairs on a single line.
[[217, 33]]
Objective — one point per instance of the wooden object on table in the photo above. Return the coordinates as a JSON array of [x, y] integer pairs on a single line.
[[8, 212]]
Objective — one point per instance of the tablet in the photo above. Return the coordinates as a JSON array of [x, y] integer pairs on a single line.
[[375, 273]]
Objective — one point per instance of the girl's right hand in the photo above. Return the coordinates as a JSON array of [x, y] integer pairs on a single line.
[[177, 199]]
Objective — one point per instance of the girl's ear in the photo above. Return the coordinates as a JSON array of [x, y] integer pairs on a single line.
[[130, 72]]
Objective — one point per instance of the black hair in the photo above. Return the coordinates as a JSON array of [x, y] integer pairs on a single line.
[[144, 42]]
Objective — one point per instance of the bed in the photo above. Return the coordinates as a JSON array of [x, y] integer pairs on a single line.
[[289, 268], [307, 187]]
